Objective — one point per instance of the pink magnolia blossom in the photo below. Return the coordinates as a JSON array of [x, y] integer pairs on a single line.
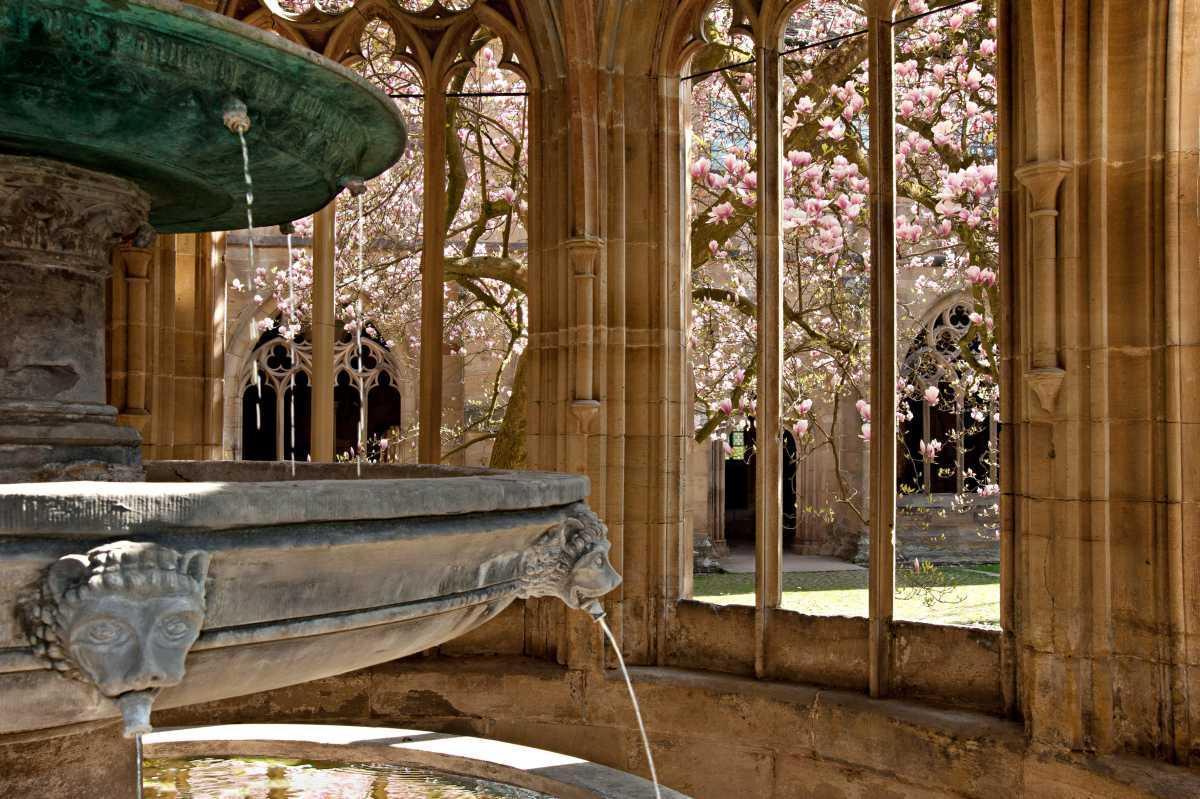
[[930, 449], [799, 158], [932, 394], [908, 231], [866, 432], [721, 213], [800, 428], [806, 406], [864, 409], [725, 406]]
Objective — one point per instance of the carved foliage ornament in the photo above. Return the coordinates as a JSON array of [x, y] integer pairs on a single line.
[[570, 561], [122, 617], [48, 207]]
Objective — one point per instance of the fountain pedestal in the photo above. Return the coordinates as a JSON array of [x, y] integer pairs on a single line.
[[91, 760], [58, 224]]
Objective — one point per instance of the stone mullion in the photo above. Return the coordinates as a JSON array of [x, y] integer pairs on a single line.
[[768, 532], [1180, 341], [1003, 434], [678, 384], [433, 269], [881, 158], [323, 335], [214, 310], [163, 401], [613, 352]]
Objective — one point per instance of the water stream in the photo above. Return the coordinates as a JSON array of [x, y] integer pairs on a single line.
[[138, 754], [358, 327], [294, 327], [637, 710], [241, 134]]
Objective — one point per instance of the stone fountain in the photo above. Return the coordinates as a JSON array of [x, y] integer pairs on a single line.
[[124, 587]]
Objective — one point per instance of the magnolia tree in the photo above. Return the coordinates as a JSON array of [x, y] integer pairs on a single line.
[[945, 226], [380, 241]]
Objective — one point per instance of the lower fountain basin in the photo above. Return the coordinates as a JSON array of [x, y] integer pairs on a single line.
[[520, 769], [307, 577]]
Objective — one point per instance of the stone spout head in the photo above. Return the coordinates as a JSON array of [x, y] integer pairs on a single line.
[[356, 186], [592, 576], [123, 618], [571, 562]]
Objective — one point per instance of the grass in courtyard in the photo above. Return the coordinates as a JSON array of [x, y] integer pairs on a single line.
[[962, 595]]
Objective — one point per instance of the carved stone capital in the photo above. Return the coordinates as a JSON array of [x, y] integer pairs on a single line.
[[583, 252], [121, 617], [1042, 179], [570, 561], [1046, 382], [53, 211]]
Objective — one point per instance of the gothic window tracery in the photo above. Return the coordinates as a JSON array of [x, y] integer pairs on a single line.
[[461, 71], [275, 383]]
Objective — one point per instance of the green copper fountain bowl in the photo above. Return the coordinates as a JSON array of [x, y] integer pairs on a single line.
[[138, 88]]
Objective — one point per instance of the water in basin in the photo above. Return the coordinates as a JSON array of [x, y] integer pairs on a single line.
[[263, 778]]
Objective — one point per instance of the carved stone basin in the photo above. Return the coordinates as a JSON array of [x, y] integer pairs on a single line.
[[305, 578]]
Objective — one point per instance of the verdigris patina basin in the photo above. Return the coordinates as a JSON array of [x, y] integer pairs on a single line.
[[261, 585], [137, 89], [122, 118]]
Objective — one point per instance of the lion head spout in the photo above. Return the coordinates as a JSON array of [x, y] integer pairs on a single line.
[[122, 617], [570, 561]]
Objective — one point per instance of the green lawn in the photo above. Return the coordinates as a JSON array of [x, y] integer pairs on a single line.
[[950, 595]]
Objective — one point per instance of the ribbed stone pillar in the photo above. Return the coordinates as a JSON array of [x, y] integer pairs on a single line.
[[58, 225]]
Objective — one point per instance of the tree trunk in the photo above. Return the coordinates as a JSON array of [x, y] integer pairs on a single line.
[[509, 451]]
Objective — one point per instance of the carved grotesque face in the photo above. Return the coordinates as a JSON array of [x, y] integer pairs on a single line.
[[129, 643], [592, 576], [123, 617]]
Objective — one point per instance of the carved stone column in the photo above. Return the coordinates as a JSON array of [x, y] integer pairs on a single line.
[[583, 253], [1042, 179], [135, 410], [58, 225]]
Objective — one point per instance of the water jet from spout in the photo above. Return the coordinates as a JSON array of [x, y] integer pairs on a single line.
[[293, 327], [596, 611], [237, 119]]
